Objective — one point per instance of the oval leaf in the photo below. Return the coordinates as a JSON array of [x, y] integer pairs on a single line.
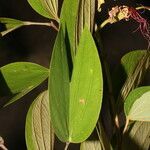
[[137, 104], [39, 132], [10, 25], [19, 78], [75, 117], [46, 8], [86, 90]]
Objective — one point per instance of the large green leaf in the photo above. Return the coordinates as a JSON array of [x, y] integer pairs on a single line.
[[91, 145], [86, 90], [74, 118], [59, 88], [10, 25], [46, 8], [19, 78], [137, 137], [39, 132], [137, 104]]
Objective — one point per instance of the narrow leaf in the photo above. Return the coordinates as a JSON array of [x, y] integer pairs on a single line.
[[137, 104], [46, 8], [137, 136], [86, 90], [39, 132], [17, 79], [10, 25], [59, 88]]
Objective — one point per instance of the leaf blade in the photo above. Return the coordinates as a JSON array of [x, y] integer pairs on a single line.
[[85, 90], [137, 105], [17, 79], [59, 88], [39, 133], [10, 25], [46, 8]]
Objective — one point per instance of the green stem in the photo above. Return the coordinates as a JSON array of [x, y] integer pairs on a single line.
[[49, 24]]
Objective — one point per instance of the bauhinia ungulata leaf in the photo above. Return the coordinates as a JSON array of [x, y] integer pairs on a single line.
[[17, 79], [46, 8], [39, 132], [75, 106], [137, 104]]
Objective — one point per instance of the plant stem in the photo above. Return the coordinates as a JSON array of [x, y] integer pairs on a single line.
[[105, 23], [49, 24], [67, 145], [126, 125], [143, 7]]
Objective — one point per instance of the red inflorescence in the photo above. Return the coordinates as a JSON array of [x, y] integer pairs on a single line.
[[144, 25]]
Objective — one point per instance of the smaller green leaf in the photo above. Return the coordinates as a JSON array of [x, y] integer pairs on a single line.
[[91, 145], [46, 8], [17, 79], [137, 104], [10, 25], [39, 132]]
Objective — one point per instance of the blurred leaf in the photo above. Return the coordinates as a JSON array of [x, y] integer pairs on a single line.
[[131, 59], [127, 66], [80, 13], [100, 2], [39, 132], [137, 104], [134, 79], [137, 137], [10, 25], [86, 90], [19, 78], [74, 120], [59, 88], [46, 8], [91, 145]]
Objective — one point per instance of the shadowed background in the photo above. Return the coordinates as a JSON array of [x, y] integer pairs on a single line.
[[35, 44]]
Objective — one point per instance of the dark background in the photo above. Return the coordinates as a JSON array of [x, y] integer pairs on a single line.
[[35, 44]]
